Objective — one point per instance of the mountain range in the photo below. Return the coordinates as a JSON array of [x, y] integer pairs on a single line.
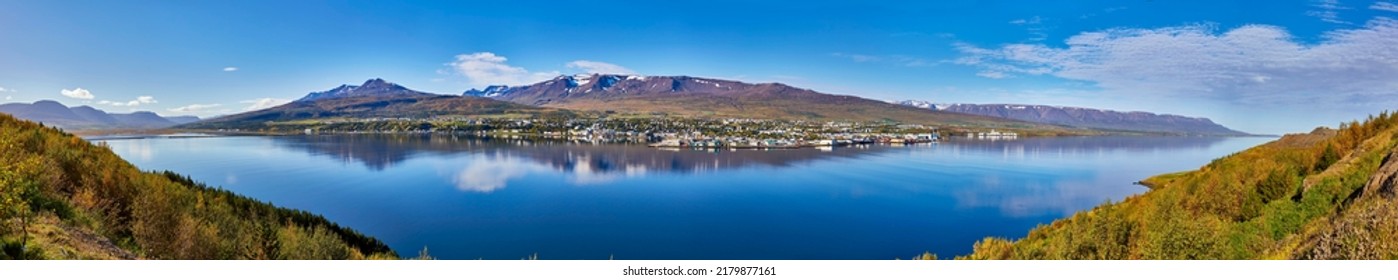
[[374, 98], [706, 97], [1087, 118], [606, 94], [85, 117], [687, 96], [377, 88]]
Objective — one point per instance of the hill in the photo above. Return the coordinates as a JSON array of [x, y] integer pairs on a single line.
[[85, 117], [1088, 118], [372, 88], [705, 97], [62, 197], [1328, 194], [375, 98]]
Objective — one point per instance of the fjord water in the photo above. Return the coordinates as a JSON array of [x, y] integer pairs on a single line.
[[471, 198]]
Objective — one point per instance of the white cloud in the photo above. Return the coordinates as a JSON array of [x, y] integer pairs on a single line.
[[7, 97], [1024, 21], [3, 89], [263, 103], [993, 74], [599, 67], [137, 102], [901, 60], [120, 104], [230, 69], [1253, 64], [858, 57], [77, 93], [1327, 11], [485, 68], [194, 108], [1384, 6]]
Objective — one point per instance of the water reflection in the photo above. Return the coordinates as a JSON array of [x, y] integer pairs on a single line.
[[471, 198], [493, 163], [493, 172], [380, 151], [1073, 146]]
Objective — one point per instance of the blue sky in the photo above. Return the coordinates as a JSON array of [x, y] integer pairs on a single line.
[[1273, 67]]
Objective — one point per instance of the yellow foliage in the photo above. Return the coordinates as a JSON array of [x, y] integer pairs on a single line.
[[1288, 198]]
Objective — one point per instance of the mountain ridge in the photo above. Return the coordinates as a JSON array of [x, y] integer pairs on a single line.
[[375, 98], [1087, 117], [372, 87], [86, 117], [710, 97]]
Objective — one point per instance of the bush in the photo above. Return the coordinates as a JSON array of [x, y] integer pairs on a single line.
[[1328, 157], [156, 215]]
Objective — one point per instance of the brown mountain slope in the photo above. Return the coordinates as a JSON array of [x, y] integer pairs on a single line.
[[704, 97], [1088, 118], [375, 99]]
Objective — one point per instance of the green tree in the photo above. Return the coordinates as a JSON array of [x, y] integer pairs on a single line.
[[1327, 157], [16, 194]]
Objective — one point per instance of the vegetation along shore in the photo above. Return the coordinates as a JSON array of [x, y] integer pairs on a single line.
[[64, 198]]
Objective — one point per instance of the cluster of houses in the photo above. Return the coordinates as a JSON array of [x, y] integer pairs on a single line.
[[700, 133], [994, 135], [833, 140]]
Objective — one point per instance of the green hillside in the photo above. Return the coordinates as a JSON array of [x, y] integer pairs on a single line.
[[64, 198], [1328, 194]]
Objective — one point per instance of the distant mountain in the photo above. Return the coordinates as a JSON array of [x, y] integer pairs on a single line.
[[46, 111], [94, 115], [705, 97], [371, 88], [490, 91], [182, 119], [375, 98], [84, 117], [1086, 117], [143, 120], [916, 103]]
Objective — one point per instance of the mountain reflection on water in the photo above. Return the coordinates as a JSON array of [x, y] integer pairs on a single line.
[[380, 151], [502, 159], [590, 163]]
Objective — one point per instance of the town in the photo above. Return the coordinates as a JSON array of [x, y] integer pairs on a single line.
[[661, 132]]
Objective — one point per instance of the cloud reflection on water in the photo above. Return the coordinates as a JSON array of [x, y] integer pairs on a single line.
[[486, 174]]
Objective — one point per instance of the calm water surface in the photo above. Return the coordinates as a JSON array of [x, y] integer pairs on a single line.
[[469, 198]]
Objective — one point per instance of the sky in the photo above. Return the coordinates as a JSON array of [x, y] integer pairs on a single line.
[[1262, 67]]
